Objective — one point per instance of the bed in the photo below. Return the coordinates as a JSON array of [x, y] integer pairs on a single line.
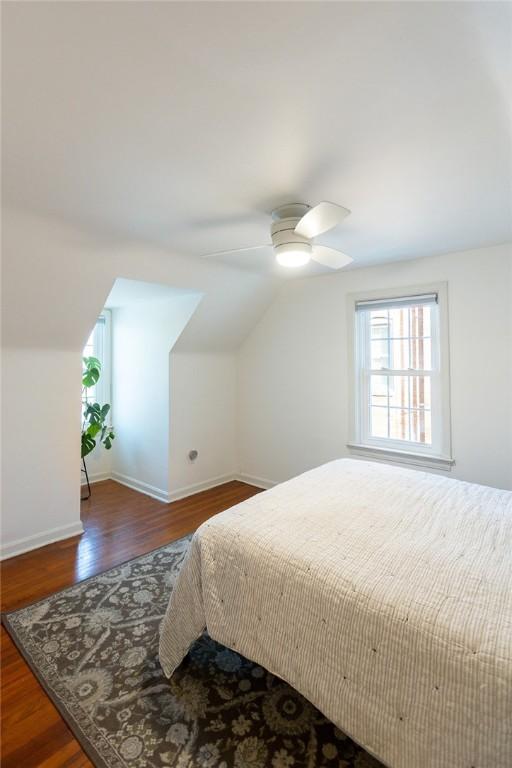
[[382, 594]]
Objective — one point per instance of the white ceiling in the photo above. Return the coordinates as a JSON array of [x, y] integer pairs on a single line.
[[184, 124], [126, 293]]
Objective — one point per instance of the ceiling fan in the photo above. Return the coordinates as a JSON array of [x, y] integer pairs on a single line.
[[294, 226]]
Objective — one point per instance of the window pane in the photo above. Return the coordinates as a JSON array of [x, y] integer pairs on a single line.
[[379, 355], [399, 322], [399, 353], [91, 394], [421, 427], [420, 321], [379, 324], [421, 353], [399, 391], [379, 422], [379, 390], [420, 392], [400, 406], [399, 424]]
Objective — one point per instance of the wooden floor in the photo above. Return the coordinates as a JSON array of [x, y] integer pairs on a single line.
[[119, 524]]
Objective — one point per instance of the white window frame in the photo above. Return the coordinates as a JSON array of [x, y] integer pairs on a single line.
[[437, 455]]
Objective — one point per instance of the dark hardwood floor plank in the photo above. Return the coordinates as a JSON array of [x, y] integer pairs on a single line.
[[119, 524]]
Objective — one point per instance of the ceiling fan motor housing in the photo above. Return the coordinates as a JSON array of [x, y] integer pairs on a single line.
[[294, 227], [282, 230]]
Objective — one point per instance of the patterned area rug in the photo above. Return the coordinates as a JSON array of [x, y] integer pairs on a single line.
[[94, 648]]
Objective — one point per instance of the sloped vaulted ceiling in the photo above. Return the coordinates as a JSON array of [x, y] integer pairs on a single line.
[[56, 279], [183, 124]]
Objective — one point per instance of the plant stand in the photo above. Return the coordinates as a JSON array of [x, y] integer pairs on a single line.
[[84, 469]]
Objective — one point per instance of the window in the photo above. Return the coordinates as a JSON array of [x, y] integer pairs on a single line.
[[401, 392], [98, 345]]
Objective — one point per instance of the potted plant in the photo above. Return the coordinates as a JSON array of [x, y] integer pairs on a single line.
[[94, 416]]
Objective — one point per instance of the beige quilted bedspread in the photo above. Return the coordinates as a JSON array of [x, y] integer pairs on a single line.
[[383, 595]]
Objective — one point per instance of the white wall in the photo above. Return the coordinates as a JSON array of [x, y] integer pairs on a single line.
[[293, 380], [40, 420], [143, 334], [203, 413]]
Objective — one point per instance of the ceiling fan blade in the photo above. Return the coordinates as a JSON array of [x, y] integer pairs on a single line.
[[321, 218], [234, 250], [329, 257]]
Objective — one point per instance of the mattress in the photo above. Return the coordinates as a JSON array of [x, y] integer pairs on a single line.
[[382, 594]]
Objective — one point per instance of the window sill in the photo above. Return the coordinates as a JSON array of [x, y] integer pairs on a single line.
[[443, 463]]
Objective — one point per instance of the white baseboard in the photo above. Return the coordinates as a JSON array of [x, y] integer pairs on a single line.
[[137, 485], [204, 485], [259, 482], [187, 490], [96, 477], [13, 548]]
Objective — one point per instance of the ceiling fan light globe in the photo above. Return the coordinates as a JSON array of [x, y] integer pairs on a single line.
[[293, 255]]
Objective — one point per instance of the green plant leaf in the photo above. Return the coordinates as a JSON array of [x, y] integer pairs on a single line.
[[88, 444], [93, 429], [93, 413], [90, 377], [91, 371], [92, 362]]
